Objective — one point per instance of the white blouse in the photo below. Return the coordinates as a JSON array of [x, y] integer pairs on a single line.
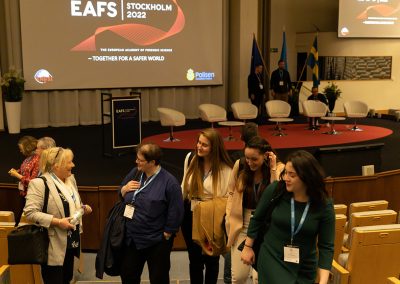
[[222, 188]]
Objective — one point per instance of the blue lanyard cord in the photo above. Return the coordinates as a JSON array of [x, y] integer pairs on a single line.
[[145, 184], [206, 175], [303, 218]]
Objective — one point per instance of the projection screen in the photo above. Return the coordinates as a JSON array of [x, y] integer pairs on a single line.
[[81, 44], [369, 18]]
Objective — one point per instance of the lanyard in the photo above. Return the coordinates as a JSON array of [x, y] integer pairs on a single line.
[[145, 184], [206, 175], [303, 218]]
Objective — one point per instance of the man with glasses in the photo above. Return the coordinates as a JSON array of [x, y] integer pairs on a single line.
[[153, 213]]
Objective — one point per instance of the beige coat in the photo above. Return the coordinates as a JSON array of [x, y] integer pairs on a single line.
[[33, 208], [234, 206]]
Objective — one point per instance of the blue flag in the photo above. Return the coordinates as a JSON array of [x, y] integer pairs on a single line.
[[256, 57], [313, 62], [283, 51]]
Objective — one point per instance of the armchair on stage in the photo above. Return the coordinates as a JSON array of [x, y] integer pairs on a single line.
[[244, 111], [212, 113], [373, 256], [279, 112], [356, 109], [170, 117], [313, 110]]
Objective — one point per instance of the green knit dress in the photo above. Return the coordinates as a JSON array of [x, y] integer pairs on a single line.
[[319, 225]]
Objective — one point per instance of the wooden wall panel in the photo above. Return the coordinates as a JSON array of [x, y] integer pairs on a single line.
[[91, 232], [344, 190]]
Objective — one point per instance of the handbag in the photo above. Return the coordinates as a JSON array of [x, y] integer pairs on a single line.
[[276, 196], [29, 244], [208, 229]]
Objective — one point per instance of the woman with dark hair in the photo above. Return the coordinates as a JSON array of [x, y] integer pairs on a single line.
[[250, 177], [302, 219], [206, 175], [153, 213]]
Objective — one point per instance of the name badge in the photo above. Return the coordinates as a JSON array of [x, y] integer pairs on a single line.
[[129, 210], [280, 83], [193, 204], [261, 87], [291, 254]]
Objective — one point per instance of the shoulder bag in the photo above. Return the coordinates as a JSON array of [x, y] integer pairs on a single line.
[[29, 244]]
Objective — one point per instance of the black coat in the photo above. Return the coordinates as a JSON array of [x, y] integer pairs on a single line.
[[108, 257]]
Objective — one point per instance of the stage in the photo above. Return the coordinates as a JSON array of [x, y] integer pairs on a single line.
[[92, 168], [297, 136]]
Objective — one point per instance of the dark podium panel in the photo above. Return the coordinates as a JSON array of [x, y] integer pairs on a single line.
[[341, 161], [126, 122]]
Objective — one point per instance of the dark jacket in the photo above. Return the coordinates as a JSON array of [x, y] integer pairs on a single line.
[[276, 78], [108, 257]]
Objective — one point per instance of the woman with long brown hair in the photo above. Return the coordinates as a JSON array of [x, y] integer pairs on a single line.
[[206, 175]]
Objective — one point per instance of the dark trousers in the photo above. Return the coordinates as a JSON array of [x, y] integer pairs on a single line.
[[20, 210], [60, 274], [158, 262], [197, 260]]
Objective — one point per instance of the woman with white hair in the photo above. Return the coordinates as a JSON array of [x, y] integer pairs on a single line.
[[63, 202]]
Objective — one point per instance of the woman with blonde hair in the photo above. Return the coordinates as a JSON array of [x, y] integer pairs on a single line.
[[250, 177], [206, 171], [63, 202]]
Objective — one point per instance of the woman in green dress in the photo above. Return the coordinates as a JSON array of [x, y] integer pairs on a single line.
[[302, 219]]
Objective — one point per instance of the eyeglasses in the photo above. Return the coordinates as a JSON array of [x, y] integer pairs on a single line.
[[140, 160]]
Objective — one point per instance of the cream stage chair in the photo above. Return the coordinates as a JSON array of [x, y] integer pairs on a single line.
[[339, 234], [373, 257], [355, 109], [340, 209], [313, 110], [244, 111], [369, 218], [212, 113], [170, 117], [279, 112]]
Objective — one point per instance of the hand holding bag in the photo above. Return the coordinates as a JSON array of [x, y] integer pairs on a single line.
[[29, 244]]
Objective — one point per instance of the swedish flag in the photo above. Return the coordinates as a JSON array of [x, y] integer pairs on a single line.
[[313, 62]]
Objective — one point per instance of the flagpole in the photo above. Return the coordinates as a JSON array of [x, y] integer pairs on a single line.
[[262, 58], [305, 64]]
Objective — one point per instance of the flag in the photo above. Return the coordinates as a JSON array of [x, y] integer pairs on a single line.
[[313, 62], [283, 51], [256, 57]]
